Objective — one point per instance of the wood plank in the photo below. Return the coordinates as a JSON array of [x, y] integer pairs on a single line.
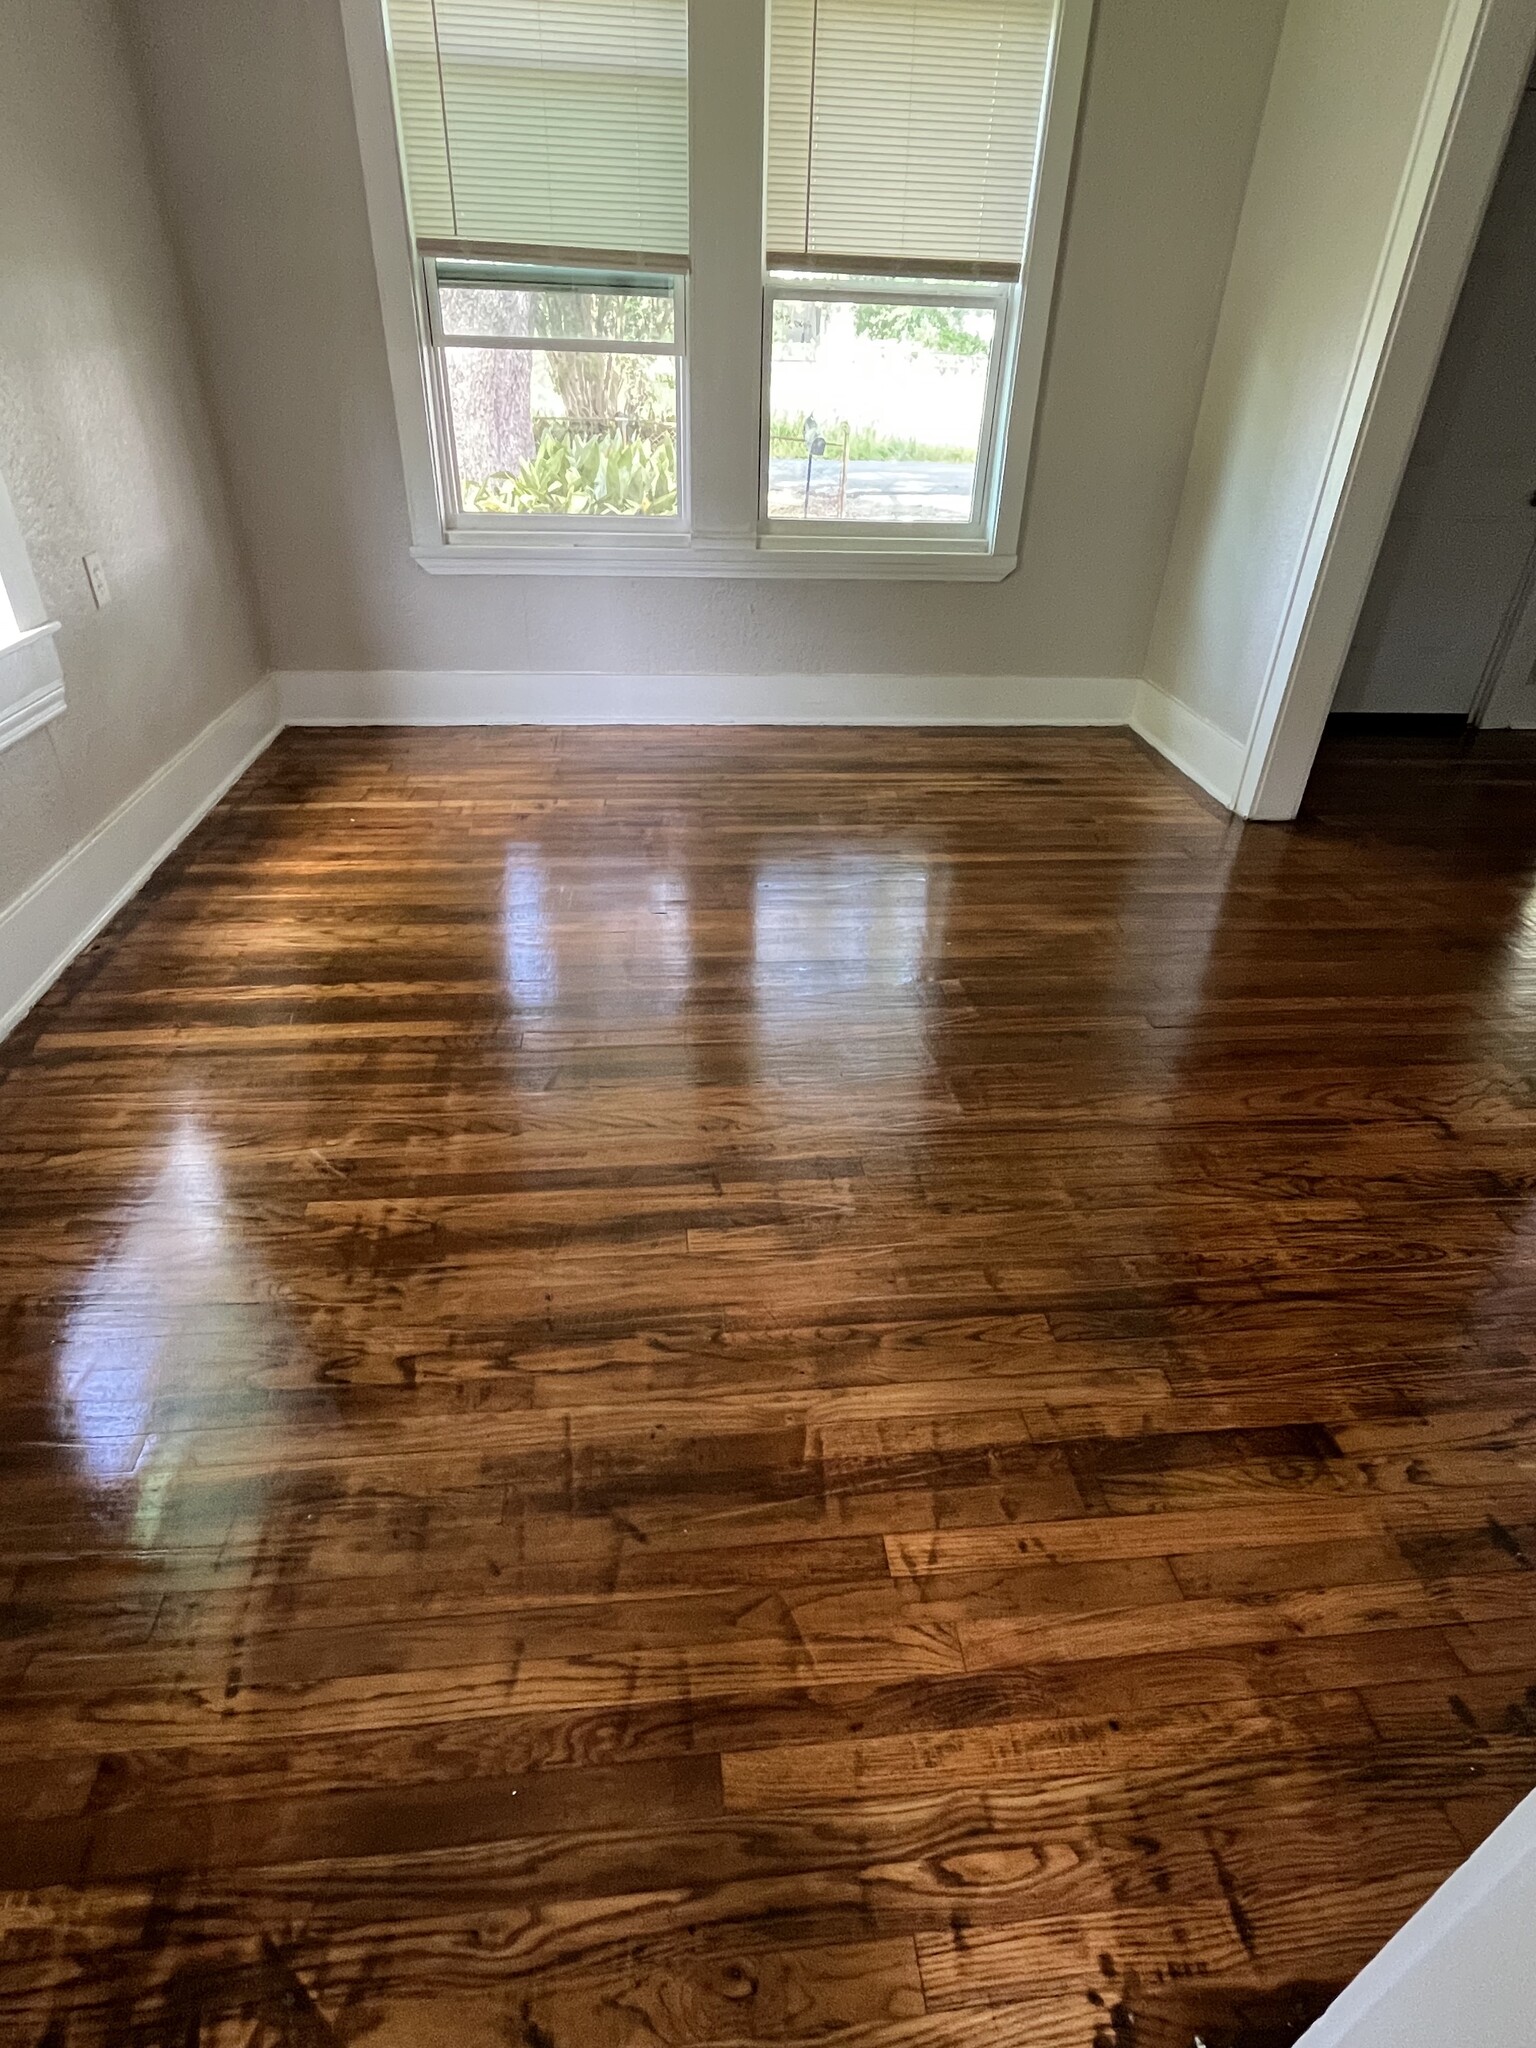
[[1011, 1752]]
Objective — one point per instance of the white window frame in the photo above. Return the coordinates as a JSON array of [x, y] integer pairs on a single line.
[[564, 529], [720, 530], [31, 679]]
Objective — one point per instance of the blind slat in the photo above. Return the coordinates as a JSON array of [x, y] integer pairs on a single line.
[[559, 124], [905, 131]]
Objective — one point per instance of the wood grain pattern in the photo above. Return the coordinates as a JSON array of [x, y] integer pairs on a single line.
[[675, 1389]]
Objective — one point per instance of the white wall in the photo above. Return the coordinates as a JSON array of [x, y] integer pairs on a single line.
[[1348, 89], [104, 440], [251, 117], [1462, 526]]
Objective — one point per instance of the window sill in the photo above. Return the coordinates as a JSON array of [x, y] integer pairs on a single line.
[[774, 556], [31, 684]]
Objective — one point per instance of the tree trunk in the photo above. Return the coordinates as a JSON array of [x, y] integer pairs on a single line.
[[492, 411]]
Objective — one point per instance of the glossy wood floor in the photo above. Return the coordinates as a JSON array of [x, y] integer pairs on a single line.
[[707, 1388]]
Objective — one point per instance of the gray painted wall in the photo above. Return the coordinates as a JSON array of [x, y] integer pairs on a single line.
[[104, 439], [251, 116]]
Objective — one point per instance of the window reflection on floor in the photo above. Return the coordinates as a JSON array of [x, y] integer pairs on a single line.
[[830, 925], [839, 921], [527, 943], [569, 930], [171, 1257], [1517, 967]]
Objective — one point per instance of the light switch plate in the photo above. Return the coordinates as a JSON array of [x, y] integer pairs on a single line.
[[101, 589]]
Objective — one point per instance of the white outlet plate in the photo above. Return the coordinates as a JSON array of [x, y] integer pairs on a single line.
[[101, 589]]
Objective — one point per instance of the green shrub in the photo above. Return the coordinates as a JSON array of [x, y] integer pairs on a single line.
[[595, 473]]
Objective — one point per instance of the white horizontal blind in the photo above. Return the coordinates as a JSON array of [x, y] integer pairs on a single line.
[[554, 126], [904, 133]]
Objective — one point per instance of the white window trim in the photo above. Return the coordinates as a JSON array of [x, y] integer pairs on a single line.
[[31, 679], [727, 52]]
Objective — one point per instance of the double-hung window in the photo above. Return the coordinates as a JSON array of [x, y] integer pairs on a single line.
[[717, 286], [545, 149]]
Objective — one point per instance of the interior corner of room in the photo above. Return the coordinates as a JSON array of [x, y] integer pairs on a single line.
[[1196, 542], [1196, 538]]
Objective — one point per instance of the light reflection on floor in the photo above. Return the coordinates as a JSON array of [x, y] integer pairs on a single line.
[[170, 1254], [159, 1315], [635, 918], [844, 944], [840, 922]]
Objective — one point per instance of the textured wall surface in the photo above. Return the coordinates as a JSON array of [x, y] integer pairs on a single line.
[[104, 438], [251, 115]]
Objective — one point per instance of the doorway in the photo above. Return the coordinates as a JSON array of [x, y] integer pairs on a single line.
[[1447, 634]]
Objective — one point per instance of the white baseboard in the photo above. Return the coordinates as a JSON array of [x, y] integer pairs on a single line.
[[43, 930], [504, 697], [1197, 748], [1462, 1973], [62, 911]]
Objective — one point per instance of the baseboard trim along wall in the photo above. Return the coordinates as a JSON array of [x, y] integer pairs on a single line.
[[506, 697], [49, 923], [1197, 748], [43, 929], [1200, 750]]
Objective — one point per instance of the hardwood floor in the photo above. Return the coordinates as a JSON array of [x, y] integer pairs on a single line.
[[810, 1387]]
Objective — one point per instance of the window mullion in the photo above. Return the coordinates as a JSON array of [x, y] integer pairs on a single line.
[[727, 42]]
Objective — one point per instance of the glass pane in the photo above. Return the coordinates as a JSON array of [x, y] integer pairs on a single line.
[[556, 313], [543, 432], [876, 412]]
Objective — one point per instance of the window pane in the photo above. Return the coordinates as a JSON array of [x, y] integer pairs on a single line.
[[876, 411], [544, 432], [546, 312]]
